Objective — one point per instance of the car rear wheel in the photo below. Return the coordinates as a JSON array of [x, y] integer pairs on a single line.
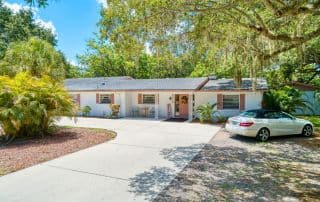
[[263, 134], [307, 131]]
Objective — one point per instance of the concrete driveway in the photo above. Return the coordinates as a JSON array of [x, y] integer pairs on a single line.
[[143, 159]]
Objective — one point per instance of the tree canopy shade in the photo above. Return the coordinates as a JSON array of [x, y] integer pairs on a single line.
[[20, 26], [35, 56], [296, 65], [289, 23], [224, 37]]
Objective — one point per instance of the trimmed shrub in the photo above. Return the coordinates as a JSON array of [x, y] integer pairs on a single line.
[[86, 111]]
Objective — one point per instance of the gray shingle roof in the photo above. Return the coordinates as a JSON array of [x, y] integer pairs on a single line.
[[229, 84], [90, 83], [127, 83]]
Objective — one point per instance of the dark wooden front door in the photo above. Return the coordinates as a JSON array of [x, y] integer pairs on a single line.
[[181, 105]]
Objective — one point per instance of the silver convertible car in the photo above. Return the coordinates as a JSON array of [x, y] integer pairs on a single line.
[[262, 124]]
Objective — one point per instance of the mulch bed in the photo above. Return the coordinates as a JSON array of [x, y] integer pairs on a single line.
[[25, 153]]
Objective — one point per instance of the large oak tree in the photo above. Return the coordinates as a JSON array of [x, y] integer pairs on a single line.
[[246, 35]]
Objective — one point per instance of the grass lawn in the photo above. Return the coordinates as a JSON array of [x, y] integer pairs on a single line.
[[316, 122], [25, 153]]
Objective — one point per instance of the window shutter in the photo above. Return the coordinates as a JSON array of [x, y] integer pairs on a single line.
[[139, 98], [78, 99], [219, 101], [112, 98], [97, 98], [169, 113], [242, 102]]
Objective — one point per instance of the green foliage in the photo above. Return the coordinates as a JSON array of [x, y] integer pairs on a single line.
[[317, 96], [240, 38], [20, 26], [86, 110], [36, 56], [206, 112], [286, 99], [201, 70], [314, 119], [103, 59], [296, 65], [39, 3], [29, 105]]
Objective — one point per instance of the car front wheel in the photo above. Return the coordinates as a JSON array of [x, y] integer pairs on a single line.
[[307, 131], [263, 134]]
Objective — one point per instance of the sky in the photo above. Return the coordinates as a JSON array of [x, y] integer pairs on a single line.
[[73, 21]]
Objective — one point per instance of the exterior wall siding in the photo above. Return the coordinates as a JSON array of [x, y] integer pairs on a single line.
[[129, 100], [89, 99], [163, 101], [252, 101]]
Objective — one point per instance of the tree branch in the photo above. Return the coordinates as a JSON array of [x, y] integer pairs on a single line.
[[293, 10]]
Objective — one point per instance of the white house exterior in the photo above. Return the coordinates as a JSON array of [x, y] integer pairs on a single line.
[[163, 98]]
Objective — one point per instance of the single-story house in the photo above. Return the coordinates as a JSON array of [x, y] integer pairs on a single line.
[[164, 98]]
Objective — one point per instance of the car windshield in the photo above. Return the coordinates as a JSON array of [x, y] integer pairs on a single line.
[[277, 115], [249, 114]]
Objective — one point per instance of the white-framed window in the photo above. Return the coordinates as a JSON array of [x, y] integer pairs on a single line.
[[105, 99], [231, 102], [148, 99]]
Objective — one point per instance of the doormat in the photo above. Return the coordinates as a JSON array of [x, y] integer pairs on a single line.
[[176, 120]]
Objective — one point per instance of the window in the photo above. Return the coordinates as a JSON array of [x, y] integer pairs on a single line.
[[249, 114], [286, 116], [230, 101], [277, 115], [105, 98], [273, 115], [148, 99]]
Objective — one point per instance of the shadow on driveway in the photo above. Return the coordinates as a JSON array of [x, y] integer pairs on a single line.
[[150, 183], [240, 169]]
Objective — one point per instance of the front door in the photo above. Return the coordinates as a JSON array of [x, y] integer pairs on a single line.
[[181, 105]]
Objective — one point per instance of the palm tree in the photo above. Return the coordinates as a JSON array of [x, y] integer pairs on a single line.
[[287, 99], [206, 112], [29, 106]]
